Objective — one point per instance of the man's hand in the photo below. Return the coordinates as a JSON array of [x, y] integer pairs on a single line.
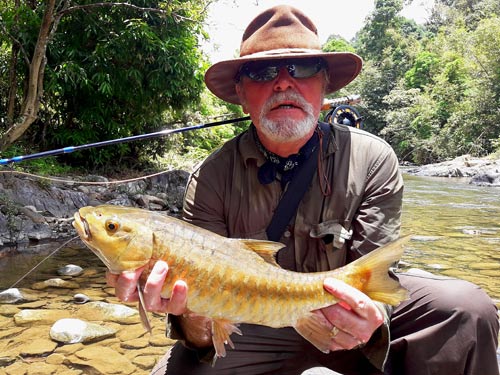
[[126, 289], [196, 328], [353, 319]]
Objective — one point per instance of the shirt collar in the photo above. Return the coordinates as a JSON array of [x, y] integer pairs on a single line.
[[249, 150]]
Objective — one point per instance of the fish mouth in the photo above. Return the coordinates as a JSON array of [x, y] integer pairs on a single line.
[[82, 227]]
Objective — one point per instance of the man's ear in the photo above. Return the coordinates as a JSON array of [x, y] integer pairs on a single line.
[[241, 96]]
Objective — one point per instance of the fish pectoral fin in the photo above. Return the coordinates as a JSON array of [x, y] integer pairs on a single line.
[[143, 314], [315, 330], [265, 249], [221, 330]]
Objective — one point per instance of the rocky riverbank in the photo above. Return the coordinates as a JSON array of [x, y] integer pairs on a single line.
[[479, 171], [34, 209], [70, 322]]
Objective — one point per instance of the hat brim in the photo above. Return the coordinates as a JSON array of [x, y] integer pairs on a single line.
[[343, 67]]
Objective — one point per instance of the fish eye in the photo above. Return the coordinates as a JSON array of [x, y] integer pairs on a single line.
[[112, 226]]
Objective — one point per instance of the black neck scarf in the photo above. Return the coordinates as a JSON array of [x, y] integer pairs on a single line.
[[286, 167]]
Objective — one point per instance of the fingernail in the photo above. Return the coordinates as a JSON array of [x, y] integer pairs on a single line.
[[330, 283], [160, 268]]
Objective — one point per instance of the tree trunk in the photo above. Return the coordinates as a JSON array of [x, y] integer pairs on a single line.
[[11, 101], [31, 102]]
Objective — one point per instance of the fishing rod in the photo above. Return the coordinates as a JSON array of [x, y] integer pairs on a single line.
[[69, 149], [328, 104]]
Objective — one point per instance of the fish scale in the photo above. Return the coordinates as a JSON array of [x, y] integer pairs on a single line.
[[231, 281]]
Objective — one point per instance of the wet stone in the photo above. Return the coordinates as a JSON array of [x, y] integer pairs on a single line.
[[55, 359], [160, 340], [8, 310], [90, 272], [132, 332], [108, 312], [70, 270], [33, 305], [144, 362], [81, 298], [55, 283], [27, 317], [70, 331], [135, 344], [67, 350], [10, 333], [17, 368], [42, 368], [12, 295], [103, 361], [95, 294], [38, 347]]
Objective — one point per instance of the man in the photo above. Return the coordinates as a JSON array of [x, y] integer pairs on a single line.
[[351, 206]]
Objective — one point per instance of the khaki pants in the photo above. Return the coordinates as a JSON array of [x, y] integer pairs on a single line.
[[447, 327]]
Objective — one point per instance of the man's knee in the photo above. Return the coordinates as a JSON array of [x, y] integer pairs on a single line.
[[446, 299], [467, 300]]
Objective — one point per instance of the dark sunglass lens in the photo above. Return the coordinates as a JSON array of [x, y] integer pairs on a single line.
[[268, 70], [261, 74], [304, 70]]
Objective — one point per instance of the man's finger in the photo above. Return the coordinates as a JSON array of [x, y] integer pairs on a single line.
[[126, 285], [153, 286], [178, 300], [355, 299]]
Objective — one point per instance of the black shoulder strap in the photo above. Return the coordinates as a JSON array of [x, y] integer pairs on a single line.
[[297, 187]]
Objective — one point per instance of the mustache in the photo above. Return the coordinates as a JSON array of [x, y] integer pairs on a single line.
[[284, 96]]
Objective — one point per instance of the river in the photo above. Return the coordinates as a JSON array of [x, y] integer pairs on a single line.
[[455, 230]]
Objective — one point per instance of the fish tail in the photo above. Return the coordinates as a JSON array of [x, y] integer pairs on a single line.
[[370, 273]]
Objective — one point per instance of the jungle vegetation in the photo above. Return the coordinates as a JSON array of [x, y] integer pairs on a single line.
[[80, 71]]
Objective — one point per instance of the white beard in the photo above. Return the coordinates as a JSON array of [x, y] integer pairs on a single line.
[[286, 129]]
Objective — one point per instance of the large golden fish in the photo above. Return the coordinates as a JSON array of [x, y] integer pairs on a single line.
[[231, 281]]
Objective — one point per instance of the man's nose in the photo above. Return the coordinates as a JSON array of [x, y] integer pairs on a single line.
[[284, 80]]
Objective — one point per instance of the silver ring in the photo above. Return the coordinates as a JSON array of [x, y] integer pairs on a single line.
[[334, 332]]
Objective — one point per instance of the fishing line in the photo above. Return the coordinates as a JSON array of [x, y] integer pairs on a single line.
[[43, 260], [62, 180]]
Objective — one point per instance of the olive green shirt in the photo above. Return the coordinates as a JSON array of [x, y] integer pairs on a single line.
[[362, 212]]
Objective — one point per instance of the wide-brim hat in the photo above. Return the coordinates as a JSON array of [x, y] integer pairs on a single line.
[[281, 32]]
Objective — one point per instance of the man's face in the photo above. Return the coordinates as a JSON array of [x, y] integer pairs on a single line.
[[284, 108]]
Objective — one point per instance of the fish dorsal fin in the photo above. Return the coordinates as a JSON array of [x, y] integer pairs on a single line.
[[265, 249]]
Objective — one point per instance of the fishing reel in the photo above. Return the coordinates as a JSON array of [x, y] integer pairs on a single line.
[[342, 112]]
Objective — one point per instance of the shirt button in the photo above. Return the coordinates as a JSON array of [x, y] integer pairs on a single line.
[[287, 234]]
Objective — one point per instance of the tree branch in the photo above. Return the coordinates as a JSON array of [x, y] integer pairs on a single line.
[[109, 5]]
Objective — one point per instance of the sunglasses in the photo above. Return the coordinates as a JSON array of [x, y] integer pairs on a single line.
[[265, 71]]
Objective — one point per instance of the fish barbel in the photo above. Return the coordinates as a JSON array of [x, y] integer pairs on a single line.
[[229, 280]]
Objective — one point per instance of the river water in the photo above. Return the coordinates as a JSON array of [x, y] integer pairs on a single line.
[[455, 230]]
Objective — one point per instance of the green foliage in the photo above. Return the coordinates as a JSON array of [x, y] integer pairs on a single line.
[[207, 140], [421, 73], [432, 91], [47, 166], [114, 72], [433, 95], [337, 44]]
